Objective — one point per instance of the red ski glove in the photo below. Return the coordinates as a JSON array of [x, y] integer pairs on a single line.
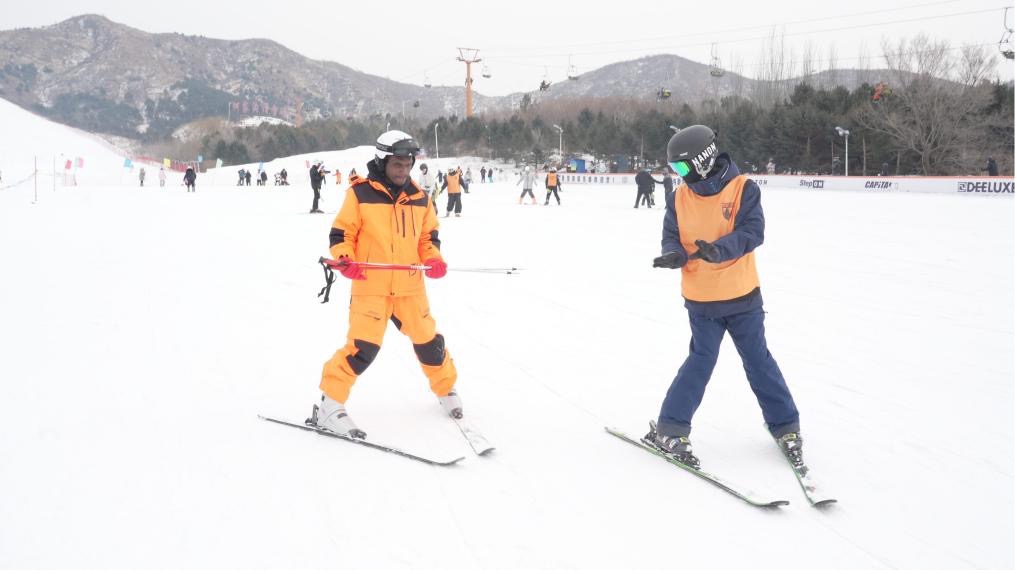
[[438, 268], [350, 269]]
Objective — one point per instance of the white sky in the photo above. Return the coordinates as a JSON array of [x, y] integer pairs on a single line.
[[521, 43]]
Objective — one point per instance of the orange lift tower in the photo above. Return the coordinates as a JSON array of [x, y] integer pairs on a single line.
[[468, 55]]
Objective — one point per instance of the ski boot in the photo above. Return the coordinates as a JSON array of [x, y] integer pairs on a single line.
[[452, 404], [791, 445], [332, 416], [677, 447]]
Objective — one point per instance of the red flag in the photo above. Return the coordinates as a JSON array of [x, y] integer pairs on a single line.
[[67, 165]]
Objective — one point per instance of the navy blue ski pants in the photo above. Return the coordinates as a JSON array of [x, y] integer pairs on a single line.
[[765, 379]]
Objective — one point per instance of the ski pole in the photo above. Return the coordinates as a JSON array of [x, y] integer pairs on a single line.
[[332, 263], [499, 270]]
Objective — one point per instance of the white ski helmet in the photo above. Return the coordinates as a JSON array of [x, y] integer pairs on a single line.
[[395, 142]]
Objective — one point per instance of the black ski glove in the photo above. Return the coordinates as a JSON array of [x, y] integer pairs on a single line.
[[707, 252], [671, 260]]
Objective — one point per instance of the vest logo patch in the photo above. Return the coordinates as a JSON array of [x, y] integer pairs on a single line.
[[726, 209]]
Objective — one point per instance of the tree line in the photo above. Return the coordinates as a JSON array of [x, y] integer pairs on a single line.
[[936, 114]]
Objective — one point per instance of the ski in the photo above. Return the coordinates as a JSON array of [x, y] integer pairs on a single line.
[[817, 496], [385, 448], [478, 442], [723, 484]]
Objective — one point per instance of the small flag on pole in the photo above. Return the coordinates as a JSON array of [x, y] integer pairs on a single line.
[[218, 162], [68, 165], [79, 161], [128, 162], [167, 162]]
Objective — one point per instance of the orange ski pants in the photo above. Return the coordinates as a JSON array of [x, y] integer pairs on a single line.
[[369, 316]]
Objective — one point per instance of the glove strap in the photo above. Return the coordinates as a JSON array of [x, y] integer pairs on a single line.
[[329, 280]]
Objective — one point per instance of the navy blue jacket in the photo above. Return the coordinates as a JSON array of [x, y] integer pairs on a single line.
[[747, 234]]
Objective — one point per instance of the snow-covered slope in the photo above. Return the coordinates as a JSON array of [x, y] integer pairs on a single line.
[[26, 138], [144, 330]]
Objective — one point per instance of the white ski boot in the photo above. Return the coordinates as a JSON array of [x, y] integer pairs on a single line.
[[452, 405], [332, 416]]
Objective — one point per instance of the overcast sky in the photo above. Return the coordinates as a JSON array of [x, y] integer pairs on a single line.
[[523, 40]]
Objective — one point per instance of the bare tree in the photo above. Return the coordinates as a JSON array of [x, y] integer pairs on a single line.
[[935, 102]]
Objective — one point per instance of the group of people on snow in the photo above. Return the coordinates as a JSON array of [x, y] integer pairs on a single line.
[[713, 223], [190, 177]]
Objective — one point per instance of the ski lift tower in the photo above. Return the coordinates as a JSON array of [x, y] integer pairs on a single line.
[[469, 56]]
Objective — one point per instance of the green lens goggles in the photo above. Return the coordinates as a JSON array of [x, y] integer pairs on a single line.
[[681, 167]]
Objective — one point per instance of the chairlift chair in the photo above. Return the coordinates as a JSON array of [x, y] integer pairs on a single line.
[[1006, 42], [486, 72]]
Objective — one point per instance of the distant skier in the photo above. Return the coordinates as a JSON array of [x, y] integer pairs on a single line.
[[426, 182], [241, 174], [162, 177], [264, 177], [190, 177], [527, 177], [141, 177], [553, 184], [247, 177], [316, 179], [455, 184], [386, 218], [713, 223], [991, 167], [644, 188], [483, 174]]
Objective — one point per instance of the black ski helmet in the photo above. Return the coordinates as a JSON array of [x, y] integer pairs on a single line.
[[692, 149]]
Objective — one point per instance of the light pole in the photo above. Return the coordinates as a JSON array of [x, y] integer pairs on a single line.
[[561, 157], [436, 154], [843, 132]]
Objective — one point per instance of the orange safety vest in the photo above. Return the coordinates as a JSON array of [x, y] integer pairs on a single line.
[[709, 218], [453, 183], [552, 179], [374, 227]]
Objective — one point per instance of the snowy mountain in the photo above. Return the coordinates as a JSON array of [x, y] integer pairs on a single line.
[[92, 73], [144, 329]]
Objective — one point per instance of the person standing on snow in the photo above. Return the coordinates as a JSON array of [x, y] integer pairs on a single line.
[[455, 184], [527, 178], [712, 225], [644, 187], [991, 167], [189, 178], [553, 184], [162, 177], [364, 231], [426, 182], [483, 174], [141, 177], [316, 179]]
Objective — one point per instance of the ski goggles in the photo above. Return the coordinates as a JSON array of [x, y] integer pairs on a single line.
[[682, 167]]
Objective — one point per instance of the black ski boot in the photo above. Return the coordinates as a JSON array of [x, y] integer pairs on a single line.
[[677, 447], [791, 445]]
